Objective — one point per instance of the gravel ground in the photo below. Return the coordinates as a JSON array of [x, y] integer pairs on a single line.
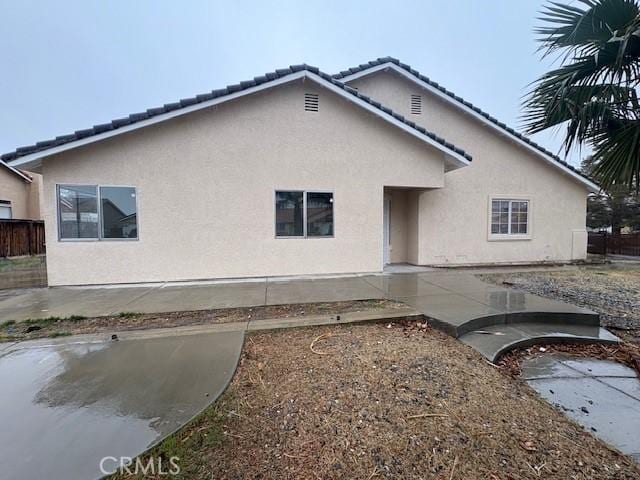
[[374, 401], [612, 291]]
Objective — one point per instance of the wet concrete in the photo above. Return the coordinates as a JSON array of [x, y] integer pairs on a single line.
[[602, 396], [455, 302], [494, 340], [320, 290], [455, 298], [65, 406]]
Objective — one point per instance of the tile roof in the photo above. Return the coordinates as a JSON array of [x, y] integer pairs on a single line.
[[186, 102], [453, 96]]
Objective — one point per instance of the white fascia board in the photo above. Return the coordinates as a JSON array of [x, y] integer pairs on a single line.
[[34, 159], [17, 172], [392, 66]]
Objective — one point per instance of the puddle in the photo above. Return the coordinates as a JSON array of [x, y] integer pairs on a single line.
[[65, 407], [602, 396]]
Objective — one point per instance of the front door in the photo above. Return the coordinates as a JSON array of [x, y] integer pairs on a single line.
[[386, 239]]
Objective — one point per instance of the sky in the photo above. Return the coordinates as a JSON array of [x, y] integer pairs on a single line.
[[69, 65]]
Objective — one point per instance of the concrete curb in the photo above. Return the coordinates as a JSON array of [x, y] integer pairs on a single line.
[[395, 314]]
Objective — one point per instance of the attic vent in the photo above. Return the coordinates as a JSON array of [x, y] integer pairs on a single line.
[[416, 104], [311, 102]]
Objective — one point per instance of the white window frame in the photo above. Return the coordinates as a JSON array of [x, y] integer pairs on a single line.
[[99, 238], [7, 204], [493, 237], [304, 236]]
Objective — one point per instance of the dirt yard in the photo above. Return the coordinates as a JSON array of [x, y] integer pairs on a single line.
[[57, 327], [613, 292], [378, 401]]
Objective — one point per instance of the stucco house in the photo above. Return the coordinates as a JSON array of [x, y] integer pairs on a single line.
[[299, 172], [19, 194]]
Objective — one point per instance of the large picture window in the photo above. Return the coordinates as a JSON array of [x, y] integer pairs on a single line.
[[301, 214], [509, 217], [94, 212]]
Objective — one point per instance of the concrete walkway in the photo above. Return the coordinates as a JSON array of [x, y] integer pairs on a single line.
[[602, 396], [66, 404], [453, 296], [455, 301]]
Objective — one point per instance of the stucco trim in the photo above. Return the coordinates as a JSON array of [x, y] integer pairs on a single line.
[[452, 157], [593, 187]]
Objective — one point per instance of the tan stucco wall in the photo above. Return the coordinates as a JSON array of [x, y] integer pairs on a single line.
[[206, 181], [24, 196], [34, 202], [453, 221]]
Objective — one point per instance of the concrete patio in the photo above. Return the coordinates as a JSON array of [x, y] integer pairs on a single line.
[[456, 302], [602, 396], [67, 404]]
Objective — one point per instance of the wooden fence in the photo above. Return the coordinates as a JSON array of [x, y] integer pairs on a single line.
[[21, 237], [614, 244]]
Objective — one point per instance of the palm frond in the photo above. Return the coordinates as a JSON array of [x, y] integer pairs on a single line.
[[617, 154], [594, 92]]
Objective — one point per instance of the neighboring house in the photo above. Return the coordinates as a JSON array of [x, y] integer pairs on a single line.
[[300, 172], [19, 193]]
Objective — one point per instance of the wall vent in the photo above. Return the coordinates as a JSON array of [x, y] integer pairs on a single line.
[[311, 102], [416, 104]]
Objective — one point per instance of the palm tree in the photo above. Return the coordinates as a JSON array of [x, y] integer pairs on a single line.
[[594, 93]]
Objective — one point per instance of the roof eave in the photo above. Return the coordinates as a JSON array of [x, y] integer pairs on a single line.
[[17, 172], [591, 186], [454, 157]]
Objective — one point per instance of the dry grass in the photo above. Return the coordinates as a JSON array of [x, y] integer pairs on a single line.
[[375, 402], [126, 321], [626, 353]]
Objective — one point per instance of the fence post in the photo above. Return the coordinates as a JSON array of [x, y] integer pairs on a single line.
[[604, 243]]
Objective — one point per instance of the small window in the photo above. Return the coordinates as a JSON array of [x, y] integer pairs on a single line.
[[311, 102], [5, 210], [304, 214], [509, 217], [97, 213], [416, 104]]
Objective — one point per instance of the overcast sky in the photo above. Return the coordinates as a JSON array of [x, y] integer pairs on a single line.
[[71, 64]]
